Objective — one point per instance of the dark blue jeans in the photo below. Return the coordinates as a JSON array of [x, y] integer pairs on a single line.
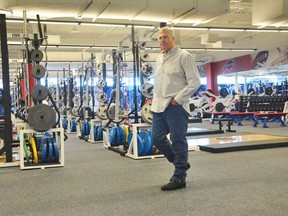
[[173, 120]]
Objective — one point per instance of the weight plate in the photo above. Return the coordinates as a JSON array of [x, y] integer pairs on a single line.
[[101, 111], [101, 96], [55, 151], [84, 97], [146, 140], [38, 71], [147, 69], [142, 45], [43, 149], [111, 113], [144, 57], [75, 111], [76, 99], [39, 92], [62, 110], [101, 83], [34, 150], [26, 151], [219, 107], [99, 73], [147, 90], [76, 90], [37, 55], [223, 92], [268, 91], [41, 117], [146, 113]]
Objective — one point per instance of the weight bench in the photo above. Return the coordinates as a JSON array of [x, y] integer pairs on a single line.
[[229, 120], [270, 117], [240, 116], [219, 115]]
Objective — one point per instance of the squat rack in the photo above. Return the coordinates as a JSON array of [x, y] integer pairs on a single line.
[[7, 131]]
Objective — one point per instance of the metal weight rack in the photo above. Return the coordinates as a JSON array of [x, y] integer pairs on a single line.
[[60, 141]]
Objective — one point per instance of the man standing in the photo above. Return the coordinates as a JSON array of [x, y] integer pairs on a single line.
[[176, 79]]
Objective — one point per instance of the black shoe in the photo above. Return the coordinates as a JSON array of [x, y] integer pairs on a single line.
[[188, 166], [174, 185]]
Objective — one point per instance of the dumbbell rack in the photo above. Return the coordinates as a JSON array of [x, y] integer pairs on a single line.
[[60, 142], [133, 147], [93, 122]]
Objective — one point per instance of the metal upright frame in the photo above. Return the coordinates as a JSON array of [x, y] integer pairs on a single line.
[[7, 148]]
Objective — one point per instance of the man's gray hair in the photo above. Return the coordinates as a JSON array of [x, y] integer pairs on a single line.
[[168, 30]]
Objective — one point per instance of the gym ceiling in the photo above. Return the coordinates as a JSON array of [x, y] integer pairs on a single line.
[[79, 35]]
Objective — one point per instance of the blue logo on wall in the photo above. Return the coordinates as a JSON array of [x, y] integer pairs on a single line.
[[228, 66]]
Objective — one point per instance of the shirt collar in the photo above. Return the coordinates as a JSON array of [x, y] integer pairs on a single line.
[[171, 51]]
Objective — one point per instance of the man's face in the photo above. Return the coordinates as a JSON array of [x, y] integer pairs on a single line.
[[166, 41]]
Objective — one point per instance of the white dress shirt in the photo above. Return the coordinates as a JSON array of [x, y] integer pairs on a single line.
[[177, 76]]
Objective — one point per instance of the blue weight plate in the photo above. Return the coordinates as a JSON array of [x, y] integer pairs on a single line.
[[146, 141], [55, 151], [113, 136], [43, 149], [87, 128], [73, 126], [83, 128], [100, 132], [50, 149], [95, 132], [120, 135], [140, 146], [130, 135], [38, 142], [139, 143]]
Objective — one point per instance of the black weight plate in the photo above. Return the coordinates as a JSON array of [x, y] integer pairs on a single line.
[[37, 55], [38, 71], [41, 117], [219, 107], [268, 91], [39, 92], [223, 92]]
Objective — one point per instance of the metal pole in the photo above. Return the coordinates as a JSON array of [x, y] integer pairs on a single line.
[[6, 89], [26, 63], [135, 75]]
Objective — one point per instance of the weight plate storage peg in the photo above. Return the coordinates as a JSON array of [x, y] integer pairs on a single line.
[[101, 96], [41, 117], [147, 90], [38, 71], [39, 92], [37, 55], [147, 69], [146, 113]]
